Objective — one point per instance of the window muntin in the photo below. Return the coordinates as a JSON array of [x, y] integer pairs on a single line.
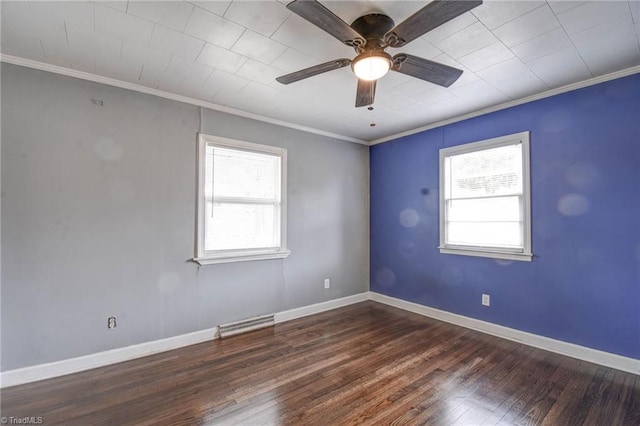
[[484, 198], [241, 201]]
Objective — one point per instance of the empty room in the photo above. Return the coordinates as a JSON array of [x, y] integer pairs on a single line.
[[323, 212]]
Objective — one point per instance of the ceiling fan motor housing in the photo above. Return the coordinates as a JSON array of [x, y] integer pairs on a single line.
[[373, 28]]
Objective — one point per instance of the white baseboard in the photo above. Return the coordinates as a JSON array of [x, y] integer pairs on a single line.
[[100, 359], [320, 307], [74, 365], [113, 356], [630, 365]]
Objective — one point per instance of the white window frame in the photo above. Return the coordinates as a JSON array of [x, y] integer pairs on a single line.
[[207, 257], [484, 251]]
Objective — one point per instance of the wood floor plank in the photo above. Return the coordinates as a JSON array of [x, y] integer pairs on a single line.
[[362, 364]]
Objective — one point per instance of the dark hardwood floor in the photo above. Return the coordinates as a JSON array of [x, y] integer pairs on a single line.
[[362, 364]]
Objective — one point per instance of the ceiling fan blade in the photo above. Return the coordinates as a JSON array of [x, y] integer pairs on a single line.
[[326, 20], [366, 93], [314, 70], [429, 17], [424, 69]]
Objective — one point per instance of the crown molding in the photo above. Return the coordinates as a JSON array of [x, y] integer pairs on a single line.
[[505, 105], [15, 60]]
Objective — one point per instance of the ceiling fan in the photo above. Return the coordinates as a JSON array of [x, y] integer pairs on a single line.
[[371, 34]]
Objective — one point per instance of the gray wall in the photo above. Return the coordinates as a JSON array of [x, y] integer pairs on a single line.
[[98, 218]]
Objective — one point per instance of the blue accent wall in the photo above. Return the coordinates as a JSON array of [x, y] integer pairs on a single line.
[[583, 285]]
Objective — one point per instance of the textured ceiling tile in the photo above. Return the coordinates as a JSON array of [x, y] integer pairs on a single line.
[[559, 68], [559, 6], [217, 81], [394, 79], [16, 14], [528, 26], [231, 82], [591, 14], [486, 57], [162, 80], [221, 59], [18, 19], [291, 60], [260, 16], [20, 45], [467, 76], [301, 35], [172, 14], [258, 47], [496, 13], [219, 7], [176, 43], [466, 41], [433, 94], [213, 28], [121, 25], [85, 39], [480, 89], [610, 46], [449, 28], [635, 10], [543, 45], [513, 78], [117, 5], [392, 101], [118, 69], [77, 12], [419, 47], [257, 71], [142, 55], [192, 71]]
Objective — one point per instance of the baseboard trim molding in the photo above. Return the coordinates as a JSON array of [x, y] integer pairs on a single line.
[[50, 370], [101, 359], [316, 308], [618, 362]]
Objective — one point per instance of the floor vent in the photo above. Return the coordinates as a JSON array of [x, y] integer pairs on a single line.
[[246, 325]]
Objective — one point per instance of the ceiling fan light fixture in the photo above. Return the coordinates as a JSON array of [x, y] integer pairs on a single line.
[[371, 65]]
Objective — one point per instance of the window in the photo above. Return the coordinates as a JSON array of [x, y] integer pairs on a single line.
[[241, 201], [484, 198]]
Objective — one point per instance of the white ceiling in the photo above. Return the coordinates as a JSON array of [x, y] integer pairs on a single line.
[[230, 52]]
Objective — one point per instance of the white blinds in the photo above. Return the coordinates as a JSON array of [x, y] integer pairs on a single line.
[[484, 198], [243, 200]]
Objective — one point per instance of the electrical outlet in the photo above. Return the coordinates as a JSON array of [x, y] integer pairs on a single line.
[[111, 323], [486, 300], [327, 283]]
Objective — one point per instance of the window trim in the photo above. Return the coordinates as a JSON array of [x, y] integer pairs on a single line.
[[496, 253], [203, 257]]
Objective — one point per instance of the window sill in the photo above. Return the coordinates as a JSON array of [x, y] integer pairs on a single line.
[[241, 257], [525, 257]]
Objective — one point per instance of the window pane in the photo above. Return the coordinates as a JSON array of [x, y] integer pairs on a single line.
[[498, 209], [245, 174], [487, 234], [486, 173], [241, 226]]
